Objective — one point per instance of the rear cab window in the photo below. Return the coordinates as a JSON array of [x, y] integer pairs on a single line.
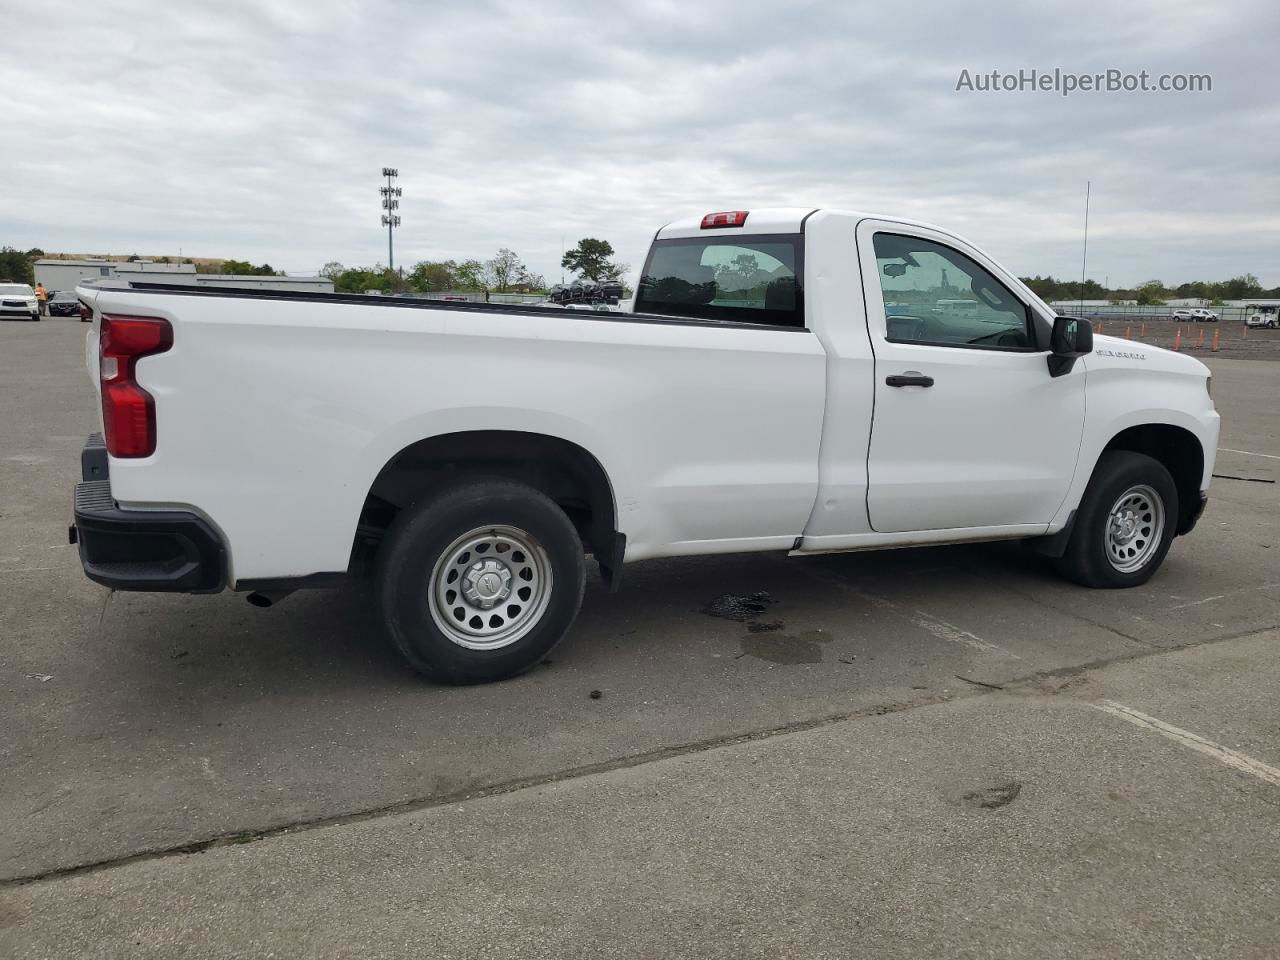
[[752, 279]]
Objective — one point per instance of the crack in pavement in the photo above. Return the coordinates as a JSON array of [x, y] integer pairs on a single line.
[[1027, 684]]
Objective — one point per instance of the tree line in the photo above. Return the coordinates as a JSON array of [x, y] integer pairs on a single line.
[[1243, 287], [592, 259], [504, 272]]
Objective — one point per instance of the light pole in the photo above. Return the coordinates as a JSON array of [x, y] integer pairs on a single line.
[[390, 204]]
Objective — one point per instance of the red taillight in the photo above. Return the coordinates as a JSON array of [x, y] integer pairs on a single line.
[[734, 218], [128, 411]]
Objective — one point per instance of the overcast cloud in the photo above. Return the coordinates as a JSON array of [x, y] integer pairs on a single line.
[[257, 130]]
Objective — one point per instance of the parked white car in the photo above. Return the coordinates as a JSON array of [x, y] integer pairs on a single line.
[[19, 300], [1204, 316], [761, 397]]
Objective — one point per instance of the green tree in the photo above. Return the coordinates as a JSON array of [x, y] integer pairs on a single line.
[[15, 266], [532, 282], [361, 280], [504, 271], [1151, 292], [1237, 288], [243, 268], [590, 259], [332, 270], [429, 275], [469, 275]]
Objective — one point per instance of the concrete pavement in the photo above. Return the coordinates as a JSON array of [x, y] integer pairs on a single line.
[[1019, 823]]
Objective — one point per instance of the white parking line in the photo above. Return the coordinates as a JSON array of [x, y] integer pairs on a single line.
[[953, 634], [1249, 453], [1232, 758]]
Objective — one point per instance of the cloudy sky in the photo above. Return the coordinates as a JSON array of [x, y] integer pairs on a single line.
[[257, 130]]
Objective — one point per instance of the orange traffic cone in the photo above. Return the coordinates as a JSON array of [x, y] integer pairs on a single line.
[[1127, 328], [1177, 339], [1200, 344], [1142, 331], [1215, 341]]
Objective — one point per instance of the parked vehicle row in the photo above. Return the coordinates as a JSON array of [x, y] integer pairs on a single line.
[[793, 380], [20, 300], [589, 291], [1194, 315]]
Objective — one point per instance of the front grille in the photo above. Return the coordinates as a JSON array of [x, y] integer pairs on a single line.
[[15, 303]]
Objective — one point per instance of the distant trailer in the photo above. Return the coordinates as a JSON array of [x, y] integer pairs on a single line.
[[66, 274], [232, 281], [240, 282]]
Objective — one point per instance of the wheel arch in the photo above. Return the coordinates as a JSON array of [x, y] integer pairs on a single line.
[[1179, 451], [566, 472]]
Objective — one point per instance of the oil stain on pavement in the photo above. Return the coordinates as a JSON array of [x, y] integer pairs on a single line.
[[786, 649]]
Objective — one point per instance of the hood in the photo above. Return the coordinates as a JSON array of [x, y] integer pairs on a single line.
[[1115, 352]]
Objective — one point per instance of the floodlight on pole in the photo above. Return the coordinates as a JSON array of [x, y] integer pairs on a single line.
[[390, 204]]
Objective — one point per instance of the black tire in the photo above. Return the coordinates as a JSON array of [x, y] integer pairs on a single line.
[[425, 532], [1087, 558]]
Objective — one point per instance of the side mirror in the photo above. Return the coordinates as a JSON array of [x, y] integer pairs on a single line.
[[1071, 339], [894, 269]]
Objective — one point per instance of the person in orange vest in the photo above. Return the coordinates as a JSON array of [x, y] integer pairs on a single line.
[[42, 295]]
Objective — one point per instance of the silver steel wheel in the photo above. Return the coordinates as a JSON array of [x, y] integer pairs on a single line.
[[1134, 528], [490, 587]]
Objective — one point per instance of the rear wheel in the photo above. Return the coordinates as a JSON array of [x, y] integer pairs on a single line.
[[480, 582], [1125, 523]]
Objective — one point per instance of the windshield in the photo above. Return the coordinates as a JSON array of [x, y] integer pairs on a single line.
[[748, 279], [16, 290]]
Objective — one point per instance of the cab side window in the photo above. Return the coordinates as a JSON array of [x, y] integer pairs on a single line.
[[937, 296]]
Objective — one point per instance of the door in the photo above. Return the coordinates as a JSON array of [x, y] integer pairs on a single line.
[[969, 429]]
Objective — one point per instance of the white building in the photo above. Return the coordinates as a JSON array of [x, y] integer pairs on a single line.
[[65, 274]]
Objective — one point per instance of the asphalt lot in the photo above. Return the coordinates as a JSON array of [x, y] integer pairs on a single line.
[[194, 775]]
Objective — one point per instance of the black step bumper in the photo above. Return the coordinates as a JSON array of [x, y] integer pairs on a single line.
[[172, 551]]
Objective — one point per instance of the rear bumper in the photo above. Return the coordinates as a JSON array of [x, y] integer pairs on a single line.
[[172, 551]]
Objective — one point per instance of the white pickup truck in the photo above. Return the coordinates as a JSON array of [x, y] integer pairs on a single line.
[[789, 380]]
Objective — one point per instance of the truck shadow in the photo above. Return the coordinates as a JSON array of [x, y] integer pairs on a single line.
[[322, 643]]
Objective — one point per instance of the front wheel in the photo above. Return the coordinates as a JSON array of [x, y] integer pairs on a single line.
[[479, 582], [1125, 523]]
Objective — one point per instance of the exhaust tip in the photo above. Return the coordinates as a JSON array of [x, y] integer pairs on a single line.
[[262, 599]]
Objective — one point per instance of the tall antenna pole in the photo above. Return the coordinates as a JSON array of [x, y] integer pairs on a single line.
[[390, 204], [1084, 257]]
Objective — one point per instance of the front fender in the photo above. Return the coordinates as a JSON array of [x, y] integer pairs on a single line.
[[1119, 397]]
